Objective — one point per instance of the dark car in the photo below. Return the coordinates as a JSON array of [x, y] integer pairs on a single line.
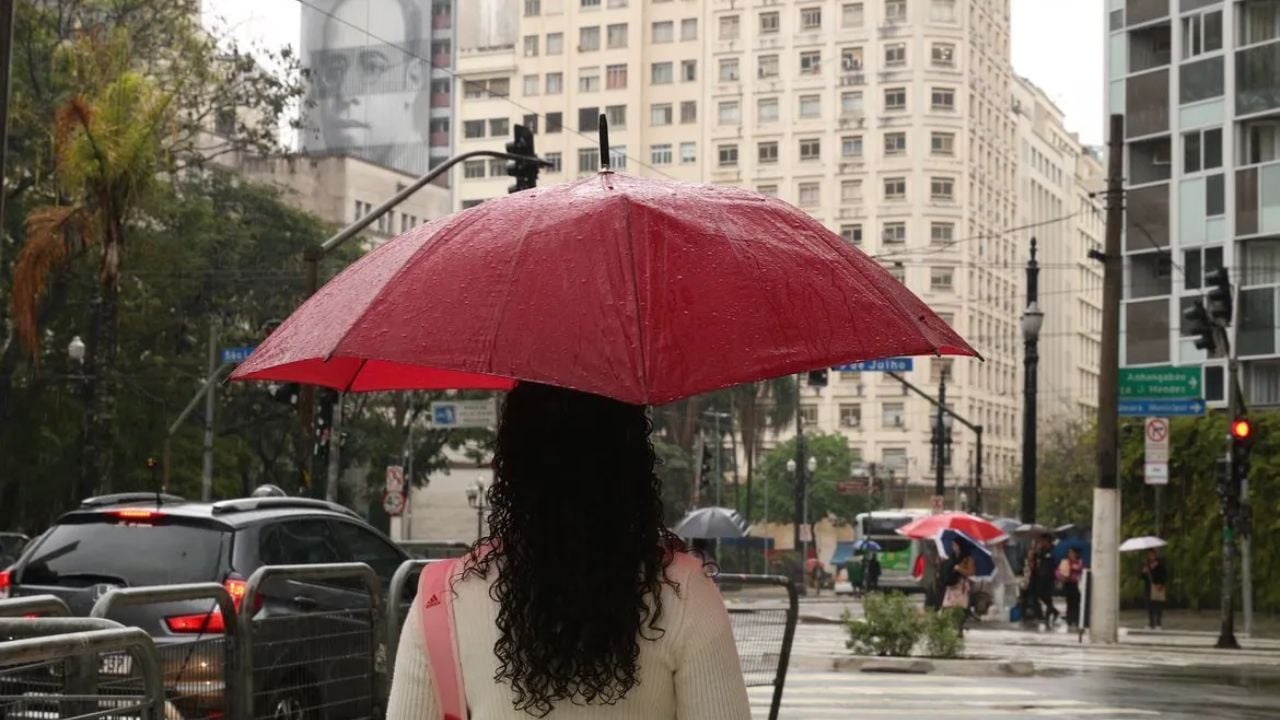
[[312, 639], [11, 546]]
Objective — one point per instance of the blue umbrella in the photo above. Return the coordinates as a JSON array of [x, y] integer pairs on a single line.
[[1080, 545], [984, 564], [865, 545]]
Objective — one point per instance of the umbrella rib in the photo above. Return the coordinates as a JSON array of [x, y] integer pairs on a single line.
[[351, 383], [500, 309], [635, 292]]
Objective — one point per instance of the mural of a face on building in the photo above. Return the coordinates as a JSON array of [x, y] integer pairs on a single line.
[[368, 93]]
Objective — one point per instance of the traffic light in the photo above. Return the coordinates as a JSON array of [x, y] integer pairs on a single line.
[[1241, 443], [524, 171], [1219, 284], [1241, 430], [1196, 322], [819, 378]]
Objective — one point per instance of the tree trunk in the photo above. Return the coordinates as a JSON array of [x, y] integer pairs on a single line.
[[96, 465]]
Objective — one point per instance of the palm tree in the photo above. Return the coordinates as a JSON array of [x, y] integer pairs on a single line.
[[110, 151], [768, 405]]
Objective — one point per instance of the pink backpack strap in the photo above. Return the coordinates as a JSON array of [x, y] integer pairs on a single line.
[[440, 637]]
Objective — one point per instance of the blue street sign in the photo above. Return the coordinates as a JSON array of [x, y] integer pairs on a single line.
[[444, 415], [237, 355], [1158, 408], [883, 365]]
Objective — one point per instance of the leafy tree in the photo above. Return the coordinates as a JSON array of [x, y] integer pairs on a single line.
[[1065, 474], [834, 460]]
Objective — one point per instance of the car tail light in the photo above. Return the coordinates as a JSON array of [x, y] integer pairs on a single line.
[[6, 581], [236, 587], [136, 514], [210, 622]]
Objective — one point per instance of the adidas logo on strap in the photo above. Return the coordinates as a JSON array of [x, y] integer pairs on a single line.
[[433, 601]]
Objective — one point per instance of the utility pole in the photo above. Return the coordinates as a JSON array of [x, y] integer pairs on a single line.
[[800, 478], [939, 449], [1032, 320], [1105, 585], [210, 408]]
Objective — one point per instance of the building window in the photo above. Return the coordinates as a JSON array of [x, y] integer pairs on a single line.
[[688, 112], [895, 188], [892, 415], [589, 39], [851, 104], [942, 233], [850, 416], [851, 15], [895, 99], [895, 143], [617, 115], [499, 127], [532, 84], [895, 10], [851, 234], [943, 99], [942, 143], [767, 110], [660, 154], [688, 153], [618, 3], [894, 233], [555, 43], [810, 63], [942, 188], [588, 119], [767, 153], [664, 32], [1202, 149], [554, 159], [851, 59], [728, 155], [730, 28], [616, 77], [688, 70], [474, 89], [811, 18], [729, 113], [940, 278], [688, 29], [850, 191], [588, 160], [663, 73], [530, 45], [555, 83], [810, 194], [473, 169], [1202, 33], [728, 69], [618, 36], [810, 106], [555, 122], [809, 415], [770, 23], [895, 55], [589, 4], [618, 157], [589, 79], [468, 204], [497, 167], [661, 114], [942, 11], [811, 149], [472, 129], [851, 146], [943, 55], [767, 190], [532, 8], [767, 67]]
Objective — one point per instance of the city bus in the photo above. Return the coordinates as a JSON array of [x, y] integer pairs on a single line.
[[897, 554]]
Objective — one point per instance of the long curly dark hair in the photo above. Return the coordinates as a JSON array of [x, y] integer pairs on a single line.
[[578, 543]]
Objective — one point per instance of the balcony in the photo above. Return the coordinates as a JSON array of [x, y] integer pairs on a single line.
[[439, 138], [441, 22], [442, 60], [441, 100], [1256, 71], [1258, 199], [1150, 47], [1140, 11], [1147, 99]]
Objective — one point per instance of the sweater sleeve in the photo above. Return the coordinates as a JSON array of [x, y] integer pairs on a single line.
[[412, 695], [708, 678]]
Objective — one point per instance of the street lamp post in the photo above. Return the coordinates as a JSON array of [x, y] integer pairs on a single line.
[[807, 470], [478, 499], [1032, 321]]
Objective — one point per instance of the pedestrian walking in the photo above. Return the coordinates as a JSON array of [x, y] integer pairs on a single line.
[[1044, 579], [579, 603], [956, 574], [872, 574], [1069, 572], [1155, 580]]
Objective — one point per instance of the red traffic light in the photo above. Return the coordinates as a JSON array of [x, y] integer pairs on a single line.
[[1241, 429]]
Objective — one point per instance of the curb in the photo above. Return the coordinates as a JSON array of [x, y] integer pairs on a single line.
[[917, 666]]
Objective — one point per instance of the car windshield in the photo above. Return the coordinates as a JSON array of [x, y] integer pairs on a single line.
[[126, 553]]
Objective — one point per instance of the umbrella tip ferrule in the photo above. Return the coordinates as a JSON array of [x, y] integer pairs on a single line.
[[604, 143]]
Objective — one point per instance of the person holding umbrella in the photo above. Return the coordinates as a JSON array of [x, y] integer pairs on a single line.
[[1069, 573], [1044, 578], [1155, 588]]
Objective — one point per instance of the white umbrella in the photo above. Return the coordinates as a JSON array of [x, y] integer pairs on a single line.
[[711, 523], [1145, 542]]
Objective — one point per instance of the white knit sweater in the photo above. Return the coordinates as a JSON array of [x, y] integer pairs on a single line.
[[690, 673]]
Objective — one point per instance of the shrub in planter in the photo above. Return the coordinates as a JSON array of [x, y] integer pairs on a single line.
[[942, 637], [892, 626]]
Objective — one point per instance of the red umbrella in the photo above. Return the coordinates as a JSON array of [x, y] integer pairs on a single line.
[[931, 526], [641, 290]]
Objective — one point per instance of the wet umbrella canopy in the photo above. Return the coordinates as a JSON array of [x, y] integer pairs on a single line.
[[642, 290], [711, 523], [930, 526]]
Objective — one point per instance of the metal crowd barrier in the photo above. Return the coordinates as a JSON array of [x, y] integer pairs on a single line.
[[78, 668], [299, 658], [401, 594], [764, 627], [198, 670], [47, 605]]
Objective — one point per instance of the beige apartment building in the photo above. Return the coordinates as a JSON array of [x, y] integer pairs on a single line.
[[1056, 179], [888, 120]]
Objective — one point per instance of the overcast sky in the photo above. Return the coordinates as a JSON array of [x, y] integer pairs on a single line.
[[1056, 43]]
